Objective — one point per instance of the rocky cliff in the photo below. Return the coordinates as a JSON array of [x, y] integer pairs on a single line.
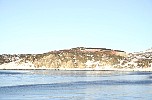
[[82, 58]]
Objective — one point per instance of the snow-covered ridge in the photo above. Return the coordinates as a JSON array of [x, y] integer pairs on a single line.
[[80, 59]]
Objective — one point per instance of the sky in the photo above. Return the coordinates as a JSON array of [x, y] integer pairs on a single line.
[[39, 26]]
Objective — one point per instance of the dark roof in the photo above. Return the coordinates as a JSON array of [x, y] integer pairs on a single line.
[[91, 48], [119, 51], [105, 49], [95, 48]]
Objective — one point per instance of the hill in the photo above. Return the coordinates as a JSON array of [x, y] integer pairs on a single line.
[[80, 58]]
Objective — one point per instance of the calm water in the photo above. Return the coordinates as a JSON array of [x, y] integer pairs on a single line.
[[74, 85]]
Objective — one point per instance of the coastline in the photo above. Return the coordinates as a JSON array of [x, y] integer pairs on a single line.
[[79, 59], [29, 66]]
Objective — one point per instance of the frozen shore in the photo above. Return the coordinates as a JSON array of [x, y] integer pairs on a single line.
[[30, 66]]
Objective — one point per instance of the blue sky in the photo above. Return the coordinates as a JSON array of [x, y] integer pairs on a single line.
[[38, 26]]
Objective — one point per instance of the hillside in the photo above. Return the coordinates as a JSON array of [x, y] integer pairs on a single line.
[[81, 58]]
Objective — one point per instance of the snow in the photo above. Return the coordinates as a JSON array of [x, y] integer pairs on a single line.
[[29, 65], [15, 65]]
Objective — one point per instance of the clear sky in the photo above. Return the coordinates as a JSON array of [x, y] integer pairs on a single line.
[[38, 26]]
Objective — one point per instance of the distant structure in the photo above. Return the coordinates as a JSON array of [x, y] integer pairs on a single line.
[[115, 52], [95, 49]]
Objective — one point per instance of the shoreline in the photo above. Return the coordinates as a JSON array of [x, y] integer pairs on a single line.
[[30, 66], [77, 69]]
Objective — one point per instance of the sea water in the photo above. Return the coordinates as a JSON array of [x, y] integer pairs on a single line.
[[74, 85]]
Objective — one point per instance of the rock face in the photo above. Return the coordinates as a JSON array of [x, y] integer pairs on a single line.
[[81, 57]]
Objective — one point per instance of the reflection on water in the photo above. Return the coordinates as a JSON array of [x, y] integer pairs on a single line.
[[86, 85]]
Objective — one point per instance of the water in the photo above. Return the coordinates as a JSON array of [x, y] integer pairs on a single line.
[[74, 85]]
